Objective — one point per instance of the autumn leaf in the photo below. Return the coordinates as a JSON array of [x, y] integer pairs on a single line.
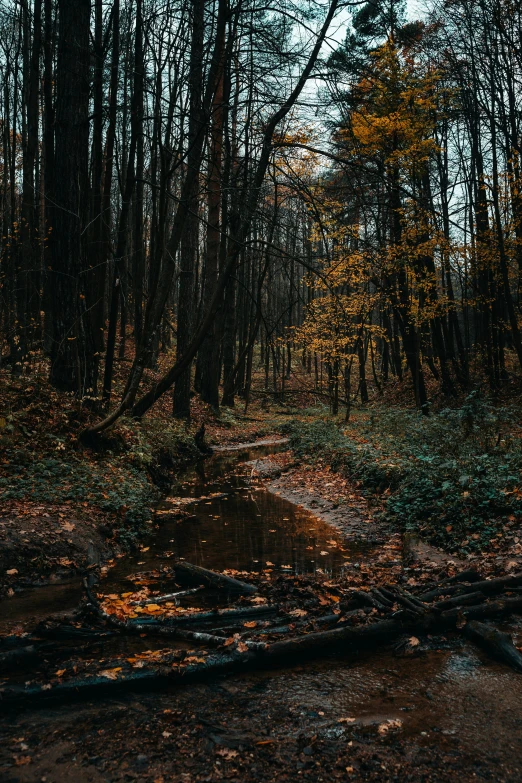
[[21, 761], [392, 723], [111, 674], [227, 754]]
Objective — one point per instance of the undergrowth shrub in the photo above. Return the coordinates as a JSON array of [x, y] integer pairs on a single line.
[[121, 490], [454, 476]]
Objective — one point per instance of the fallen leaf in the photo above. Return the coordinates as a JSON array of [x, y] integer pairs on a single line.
[[12, 572], [227, 754], [392, 723], [111, 674], [20, 761]]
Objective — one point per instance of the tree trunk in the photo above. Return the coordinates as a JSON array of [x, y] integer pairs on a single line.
[[73, 360]]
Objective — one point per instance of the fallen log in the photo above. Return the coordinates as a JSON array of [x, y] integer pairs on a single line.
[[409, 601], [365, 599], [256, 653], [209, 616], [498, 644], [329, 619], [483, 611], [486, 586], [383, 596], [469, 575], [189, 574], [347, 638], [163, 599], [467, 599], [200, 637]]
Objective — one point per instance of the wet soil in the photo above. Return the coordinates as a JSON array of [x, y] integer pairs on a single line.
[[438, 712], [43, 542], [444, 715]]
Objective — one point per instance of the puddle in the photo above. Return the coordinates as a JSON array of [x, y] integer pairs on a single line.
[[237, 524], [32, 605]]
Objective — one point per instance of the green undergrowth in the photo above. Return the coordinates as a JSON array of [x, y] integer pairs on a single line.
[[123, 475], [453, 477], [109, 484]]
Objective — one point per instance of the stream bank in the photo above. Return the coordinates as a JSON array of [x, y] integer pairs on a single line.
[[66, 506]]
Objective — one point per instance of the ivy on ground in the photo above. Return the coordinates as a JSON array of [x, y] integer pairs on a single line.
[[454, 477]]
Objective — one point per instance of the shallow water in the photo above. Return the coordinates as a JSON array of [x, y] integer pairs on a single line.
[[234, 523]]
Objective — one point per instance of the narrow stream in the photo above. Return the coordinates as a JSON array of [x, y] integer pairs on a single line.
[[233, 522]]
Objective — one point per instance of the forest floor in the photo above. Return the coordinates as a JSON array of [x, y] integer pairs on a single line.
[[430, 710], [434, 710]]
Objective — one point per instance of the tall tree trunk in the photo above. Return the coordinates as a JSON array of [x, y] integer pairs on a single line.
[[73, 360], [209, 353], [190, 237], [95, 251], [29, 279]]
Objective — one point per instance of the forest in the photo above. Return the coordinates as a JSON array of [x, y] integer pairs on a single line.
[[260, 390]]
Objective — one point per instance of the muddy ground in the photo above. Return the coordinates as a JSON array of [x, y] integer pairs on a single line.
[[375, 718]]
